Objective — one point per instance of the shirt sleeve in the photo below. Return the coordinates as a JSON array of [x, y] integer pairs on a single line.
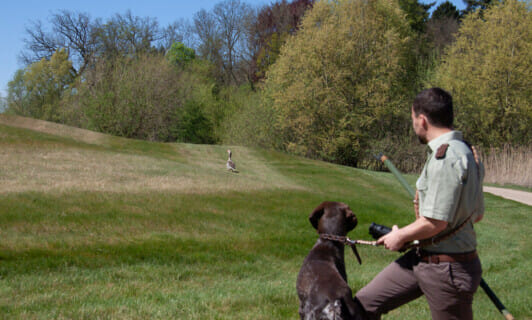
[[444, 185]]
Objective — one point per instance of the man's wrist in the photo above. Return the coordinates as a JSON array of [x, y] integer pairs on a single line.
[[401, 235]]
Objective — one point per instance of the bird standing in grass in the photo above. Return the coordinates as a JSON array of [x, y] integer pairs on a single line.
[[230, 164]]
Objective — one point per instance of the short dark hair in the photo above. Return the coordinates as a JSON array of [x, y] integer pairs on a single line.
[[437, 105]]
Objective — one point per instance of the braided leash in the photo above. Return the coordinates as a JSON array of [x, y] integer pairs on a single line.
[[349, 242], [346, 240]]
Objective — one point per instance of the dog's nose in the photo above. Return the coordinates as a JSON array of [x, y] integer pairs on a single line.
[[351, 217]]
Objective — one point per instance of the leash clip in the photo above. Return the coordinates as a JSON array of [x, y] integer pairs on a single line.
[[352, 244]]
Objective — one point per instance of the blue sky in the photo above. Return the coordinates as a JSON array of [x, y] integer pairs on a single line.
[[17, 15]]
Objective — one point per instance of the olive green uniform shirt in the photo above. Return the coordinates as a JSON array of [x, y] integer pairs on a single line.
[[450, 189]]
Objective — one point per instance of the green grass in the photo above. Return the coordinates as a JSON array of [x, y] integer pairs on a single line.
[[112, 228]]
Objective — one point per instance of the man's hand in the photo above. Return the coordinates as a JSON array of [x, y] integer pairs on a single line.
[[393, 240], [420, 229]]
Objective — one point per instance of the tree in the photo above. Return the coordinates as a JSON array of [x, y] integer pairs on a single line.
[[126, 35], [417, 14], [178, 31], [37, 90], [136, 97], [474, 5], [179, 54], [146, 97], [488, 71], [443, 25], [232, 17], [194, 126], [87, 40], [210, 42], [339, 82], [445, 10], [222, 38], [272, 27], [421, 59], [72, 31]]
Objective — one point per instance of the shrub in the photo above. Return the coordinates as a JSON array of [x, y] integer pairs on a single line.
[[339, 83]]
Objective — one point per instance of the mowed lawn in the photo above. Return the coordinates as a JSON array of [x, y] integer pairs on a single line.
[[99, 227]]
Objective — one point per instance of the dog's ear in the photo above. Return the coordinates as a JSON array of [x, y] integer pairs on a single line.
[[316, 215]]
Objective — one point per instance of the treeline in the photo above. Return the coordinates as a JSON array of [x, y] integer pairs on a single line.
[[331, 80]]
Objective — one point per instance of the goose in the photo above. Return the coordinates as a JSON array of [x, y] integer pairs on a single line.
[[230, 165]]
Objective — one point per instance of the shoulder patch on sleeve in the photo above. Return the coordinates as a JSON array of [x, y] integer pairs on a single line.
[[440, 153]]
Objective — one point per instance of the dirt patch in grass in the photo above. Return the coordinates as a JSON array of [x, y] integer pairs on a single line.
[[82, 135], [41, 168]]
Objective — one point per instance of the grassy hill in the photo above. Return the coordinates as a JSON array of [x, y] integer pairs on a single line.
[[94, 226]]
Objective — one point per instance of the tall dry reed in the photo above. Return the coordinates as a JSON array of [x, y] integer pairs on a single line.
[[508, 165]]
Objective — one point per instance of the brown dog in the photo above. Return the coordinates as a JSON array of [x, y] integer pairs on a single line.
[[322, 281]]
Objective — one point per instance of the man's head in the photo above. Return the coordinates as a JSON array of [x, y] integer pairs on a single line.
[[432, 109]]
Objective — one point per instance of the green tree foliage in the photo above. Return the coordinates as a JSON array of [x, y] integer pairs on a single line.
[[489, 72], [477, 5], [445, 10], [249, 121], [194, 126], [142, 97], [37, 90], [339, 82], [179, 54], [417, 14], [421, 58]]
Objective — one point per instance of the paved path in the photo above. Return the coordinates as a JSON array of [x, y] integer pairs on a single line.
[[516, 195]]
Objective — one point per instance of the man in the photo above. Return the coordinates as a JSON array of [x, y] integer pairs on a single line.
[[448, 201]]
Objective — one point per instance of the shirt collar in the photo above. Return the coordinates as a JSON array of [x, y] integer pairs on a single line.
[[434, 144]]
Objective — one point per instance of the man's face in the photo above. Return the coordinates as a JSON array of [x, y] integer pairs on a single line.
[[418, 123]]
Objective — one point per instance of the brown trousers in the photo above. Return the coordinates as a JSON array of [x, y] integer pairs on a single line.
[[447, 286]]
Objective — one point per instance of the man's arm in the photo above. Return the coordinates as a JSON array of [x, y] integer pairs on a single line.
[[422, 228]]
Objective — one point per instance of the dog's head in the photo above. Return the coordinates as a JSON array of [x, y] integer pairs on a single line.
[[333, 218]]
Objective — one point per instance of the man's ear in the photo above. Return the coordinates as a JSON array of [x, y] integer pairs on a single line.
[[316, 215], [424, 121]]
